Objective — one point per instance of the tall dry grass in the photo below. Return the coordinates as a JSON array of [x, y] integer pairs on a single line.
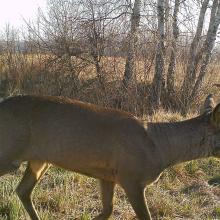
[[49, 75]]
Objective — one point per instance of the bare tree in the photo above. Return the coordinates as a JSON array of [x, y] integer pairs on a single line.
[[57, 33], [94, 30], [199, 58], [132, 43], [193, 56], [159, 76], [172, 63], [208, 45]]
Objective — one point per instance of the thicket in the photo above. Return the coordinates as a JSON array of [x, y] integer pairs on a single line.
[[133, 55]]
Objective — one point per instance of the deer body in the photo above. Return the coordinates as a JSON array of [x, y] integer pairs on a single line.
[[72, 135], [107, 144]]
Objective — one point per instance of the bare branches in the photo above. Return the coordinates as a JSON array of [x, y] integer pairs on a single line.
[[162, 48]]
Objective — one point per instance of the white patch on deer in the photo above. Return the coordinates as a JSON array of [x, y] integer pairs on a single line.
[[1, 99]]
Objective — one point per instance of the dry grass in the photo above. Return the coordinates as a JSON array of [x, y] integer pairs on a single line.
[[49, 75]]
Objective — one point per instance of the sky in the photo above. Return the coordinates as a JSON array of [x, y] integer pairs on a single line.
[[12, 11]]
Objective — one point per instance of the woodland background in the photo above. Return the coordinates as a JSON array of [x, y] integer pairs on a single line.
[[139, 56]]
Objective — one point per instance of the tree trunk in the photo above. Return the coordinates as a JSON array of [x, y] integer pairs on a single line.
[[132, 41], [193, 54], [159, 78], [172, 64]]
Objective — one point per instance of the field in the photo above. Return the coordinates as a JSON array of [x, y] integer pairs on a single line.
[[186, 191]]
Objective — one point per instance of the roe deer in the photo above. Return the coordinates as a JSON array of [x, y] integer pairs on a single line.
[[104, 143]]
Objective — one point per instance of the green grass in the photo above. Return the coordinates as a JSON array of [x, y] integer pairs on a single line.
[[182, 192]]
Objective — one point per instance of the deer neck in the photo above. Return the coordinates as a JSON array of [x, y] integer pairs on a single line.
[[179, 142]]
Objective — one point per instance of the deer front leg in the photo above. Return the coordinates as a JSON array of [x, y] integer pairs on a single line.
[[135, 194], [107, 190], [34, 171]]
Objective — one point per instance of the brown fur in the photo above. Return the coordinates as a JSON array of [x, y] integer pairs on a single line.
[[107, 144]]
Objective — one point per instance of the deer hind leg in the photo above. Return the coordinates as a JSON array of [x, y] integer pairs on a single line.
[[33, 172], [107, 190], [135, 194]]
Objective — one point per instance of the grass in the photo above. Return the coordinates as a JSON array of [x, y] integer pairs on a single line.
[[185, 191], [182, 192]]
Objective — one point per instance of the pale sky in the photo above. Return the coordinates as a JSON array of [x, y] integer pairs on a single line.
[[11, 11]]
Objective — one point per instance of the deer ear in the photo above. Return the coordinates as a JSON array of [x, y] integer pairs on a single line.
[[208, 105], [216, 115]]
